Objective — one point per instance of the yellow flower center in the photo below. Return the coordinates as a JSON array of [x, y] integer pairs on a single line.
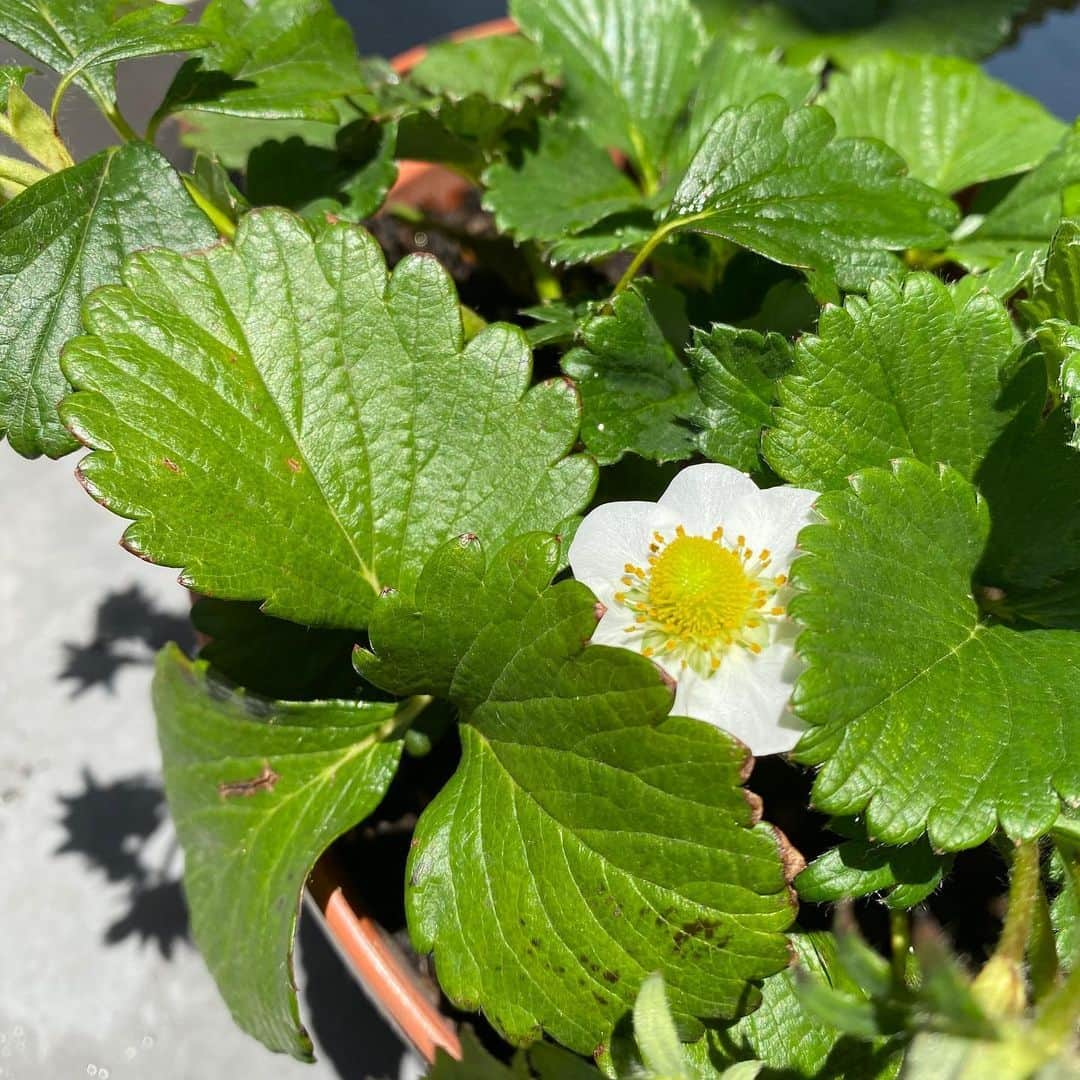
[[699, 589], [699, 597]]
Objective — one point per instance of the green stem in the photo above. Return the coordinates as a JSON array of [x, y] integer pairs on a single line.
[[408, 711], [1024, 888], [220, 220], [642, 257], [1042, 952], [116, 118], [900, 943]]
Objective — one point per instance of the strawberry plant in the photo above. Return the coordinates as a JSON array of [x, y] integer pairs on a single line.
[[729, 411]]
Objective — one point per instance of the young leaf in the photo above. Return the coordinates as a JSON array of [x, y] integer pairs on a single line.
[[859, 867], [258, 790], [504, 70], [854, 28], [65, 33], [27, 124], [628, 68], [60, 240], [598, 840], [655, 1033], [778, 182], [736, 373], [906, 372], [1056, 294], [530, 198], [277, 58], [311, 427], [636, 393], [793, 1042], [951, 122], [925, 713]]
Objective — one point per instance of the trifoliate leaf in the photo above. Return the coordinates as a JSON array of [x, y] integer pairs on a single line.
[[925, 713], [1027, 217], [628, 68], [793, 1042], [597, 839], [258, 791], [59, 240], [636, 393], [847, 30], [83, 34], [529, 195], [779, 183], [736, 373], [506, 70], [951, 122], [343, 430], [859, 867], [1056, 294], [273, 657], [906, 372], [277, 58]]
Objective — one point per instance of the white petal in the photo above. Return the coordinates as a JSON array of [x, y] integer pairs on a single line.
[[774, 518], [611, 536], [748, 698], [703, 496], [611, 629]]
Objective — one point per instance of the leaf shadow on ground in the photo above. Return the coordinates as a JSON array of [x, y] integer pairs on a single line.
[[122, 832], [129, 628]]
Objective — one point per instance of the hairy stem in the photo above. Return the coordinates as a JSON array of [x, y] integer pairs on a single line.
[[900, 943], [1058, 1017], [1024, 888], [220, 220], [1042, 952]]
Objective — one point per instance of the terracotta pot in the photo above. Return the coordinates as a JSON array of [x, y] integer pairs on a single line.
[[387, 976]]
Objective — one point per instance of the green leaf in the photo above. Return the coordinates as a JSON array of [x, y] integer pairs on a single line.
[[258, 790], [736, 373], [853, 28], [793, 1042], [342, 431], [60, 240], [146, 31], [273, 657], [925, 713], [1056, 292], [859, 867], [529, 195], [951, 122], [933, 1056], [628, 68], [83, 34], [27, 124], [778, 183], [277, 58], [655, 1032], [1031, 480], [507, 70], [1065, 910], [733, 76], [1027, 217], [350, 181], [540, 1062], [231, 139], [906, 372], [597, 839], [210, 186], [636, 393]]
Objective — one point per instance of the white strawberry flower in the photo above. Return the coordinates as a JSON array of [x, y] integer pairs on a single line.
[[698, 582]]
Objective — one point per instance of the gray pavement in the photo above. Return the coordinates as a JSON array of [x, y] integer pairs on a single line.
[[97, 975]]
